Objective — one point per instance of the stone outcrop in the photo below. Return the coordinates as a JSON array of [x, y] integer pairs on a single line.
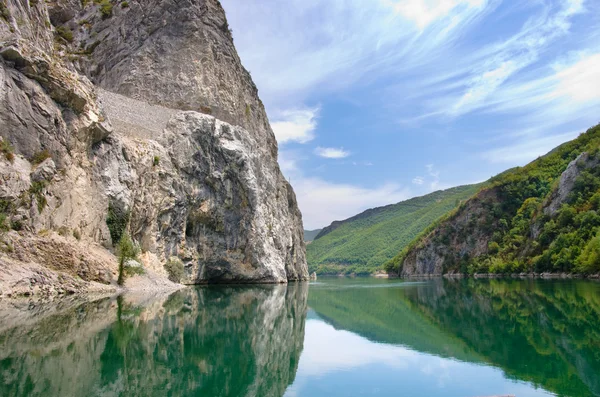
[[465, 234], [144, 111]]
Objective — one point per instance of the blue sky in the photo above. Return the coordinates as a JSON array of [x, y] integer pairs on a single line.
[[377, 101]]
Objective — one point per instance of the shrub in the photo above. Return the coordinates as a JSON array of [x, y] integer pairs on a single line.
[[155, 161], [4, 11], [63, 231], [3, 223], [37, 191], [124, 4], [174, 267], [589, 259], [40, 156], [7, 149], [76, 234], [117, 220], [127, 250], [65, 33], [106, 9]]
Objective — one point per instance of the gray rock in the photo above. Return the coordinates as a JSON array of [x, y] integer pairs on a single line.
[[204, 188], [45, 171]]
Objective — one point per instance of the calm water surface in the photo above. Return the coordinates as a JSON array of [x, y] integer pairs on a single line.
[[334, 337]]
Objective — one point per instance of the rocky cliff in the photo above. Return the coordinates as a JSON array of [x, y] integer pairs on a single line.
[[136, 118], [541, 218]]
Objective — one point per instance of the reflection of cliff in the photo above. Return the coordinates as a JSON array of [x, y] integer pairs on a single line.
[[547, 333], [205, 341]]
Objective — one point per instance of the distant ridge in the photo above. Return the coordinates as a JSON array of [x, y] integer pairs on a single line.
[[363, 243]]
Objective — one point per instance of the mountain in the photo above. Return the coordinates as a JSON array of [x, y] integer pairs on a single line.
[[136, 119], [539, 218], [363, 243], [309, 235]]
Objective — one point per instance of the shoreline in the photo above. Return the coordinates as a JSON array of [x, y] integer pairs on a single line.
[[521, 276]]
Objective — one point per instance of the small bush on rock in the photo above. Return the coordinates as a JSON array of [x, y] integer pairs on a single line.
[[65, 33], [174, 267], [7, 149], [127, 250], [117, 220]]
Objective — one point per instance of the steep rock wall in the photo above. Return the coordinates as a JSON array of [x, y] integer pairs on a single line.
[[202, 185]]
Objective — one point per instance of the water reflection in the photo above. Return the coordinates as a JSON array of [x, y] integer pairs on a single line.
[[359, 337], [543, 333], [243, 341]]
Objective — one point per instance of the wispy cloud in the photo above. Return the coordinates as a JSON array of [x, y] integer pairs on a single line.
[[527, 149], [418, 180], [295, 125], [323, 202], [331, 152], [295, 46]]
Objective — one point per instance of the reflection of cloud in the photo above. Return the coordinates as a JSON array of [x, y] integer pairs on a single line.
[[343, 361], [340, 350]]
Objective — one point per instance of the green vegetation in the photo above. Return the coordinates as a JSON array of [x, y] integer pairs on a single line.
[[361, 244], [155, 161], [39, 157], [7, 149], [117, 220], [65, 33], [309, 235], [522, 234], [128, 250], [4, 11], [124, 4], [37, 190], [174, 267], [106, 8]]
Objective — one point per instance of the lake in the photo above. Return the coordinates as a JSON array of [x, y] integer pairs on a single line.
[[333, 337]]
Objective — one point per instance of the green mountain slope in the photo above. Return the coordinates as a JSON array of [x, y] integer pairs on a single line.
[[543, 217], [364, 242], [309, 235]]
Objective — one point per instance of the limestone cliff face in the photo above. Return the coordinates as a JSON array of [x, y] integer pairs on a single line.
[[177, 138]]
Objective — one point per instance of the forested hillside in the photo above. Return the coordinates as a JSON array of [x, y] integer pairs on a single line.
[[539, 218], [363, 243]]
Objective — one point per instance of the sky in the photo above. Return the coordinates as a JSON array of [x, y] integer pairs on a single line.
[[376, 101]]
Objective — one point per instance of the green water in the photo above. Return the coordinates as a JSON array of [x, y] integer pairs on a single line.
[[334, 337]]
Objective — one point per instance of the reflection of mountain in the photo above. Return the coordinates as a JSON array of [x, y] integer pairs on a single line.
[[384, 315], [203, 341], [547, 333]]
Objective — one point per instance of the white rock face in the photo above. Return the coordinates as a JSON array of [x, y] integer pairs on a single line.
[[202, 191], [191, 158]]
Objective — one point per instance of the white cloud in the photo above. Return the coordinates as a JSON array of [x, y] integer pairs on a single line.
[[580, 82], [527, 149], [434, 175], [331, 152], [295, 125], [475, 80], [295, 47], [323, 202], [418, 180], [425, 12]]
